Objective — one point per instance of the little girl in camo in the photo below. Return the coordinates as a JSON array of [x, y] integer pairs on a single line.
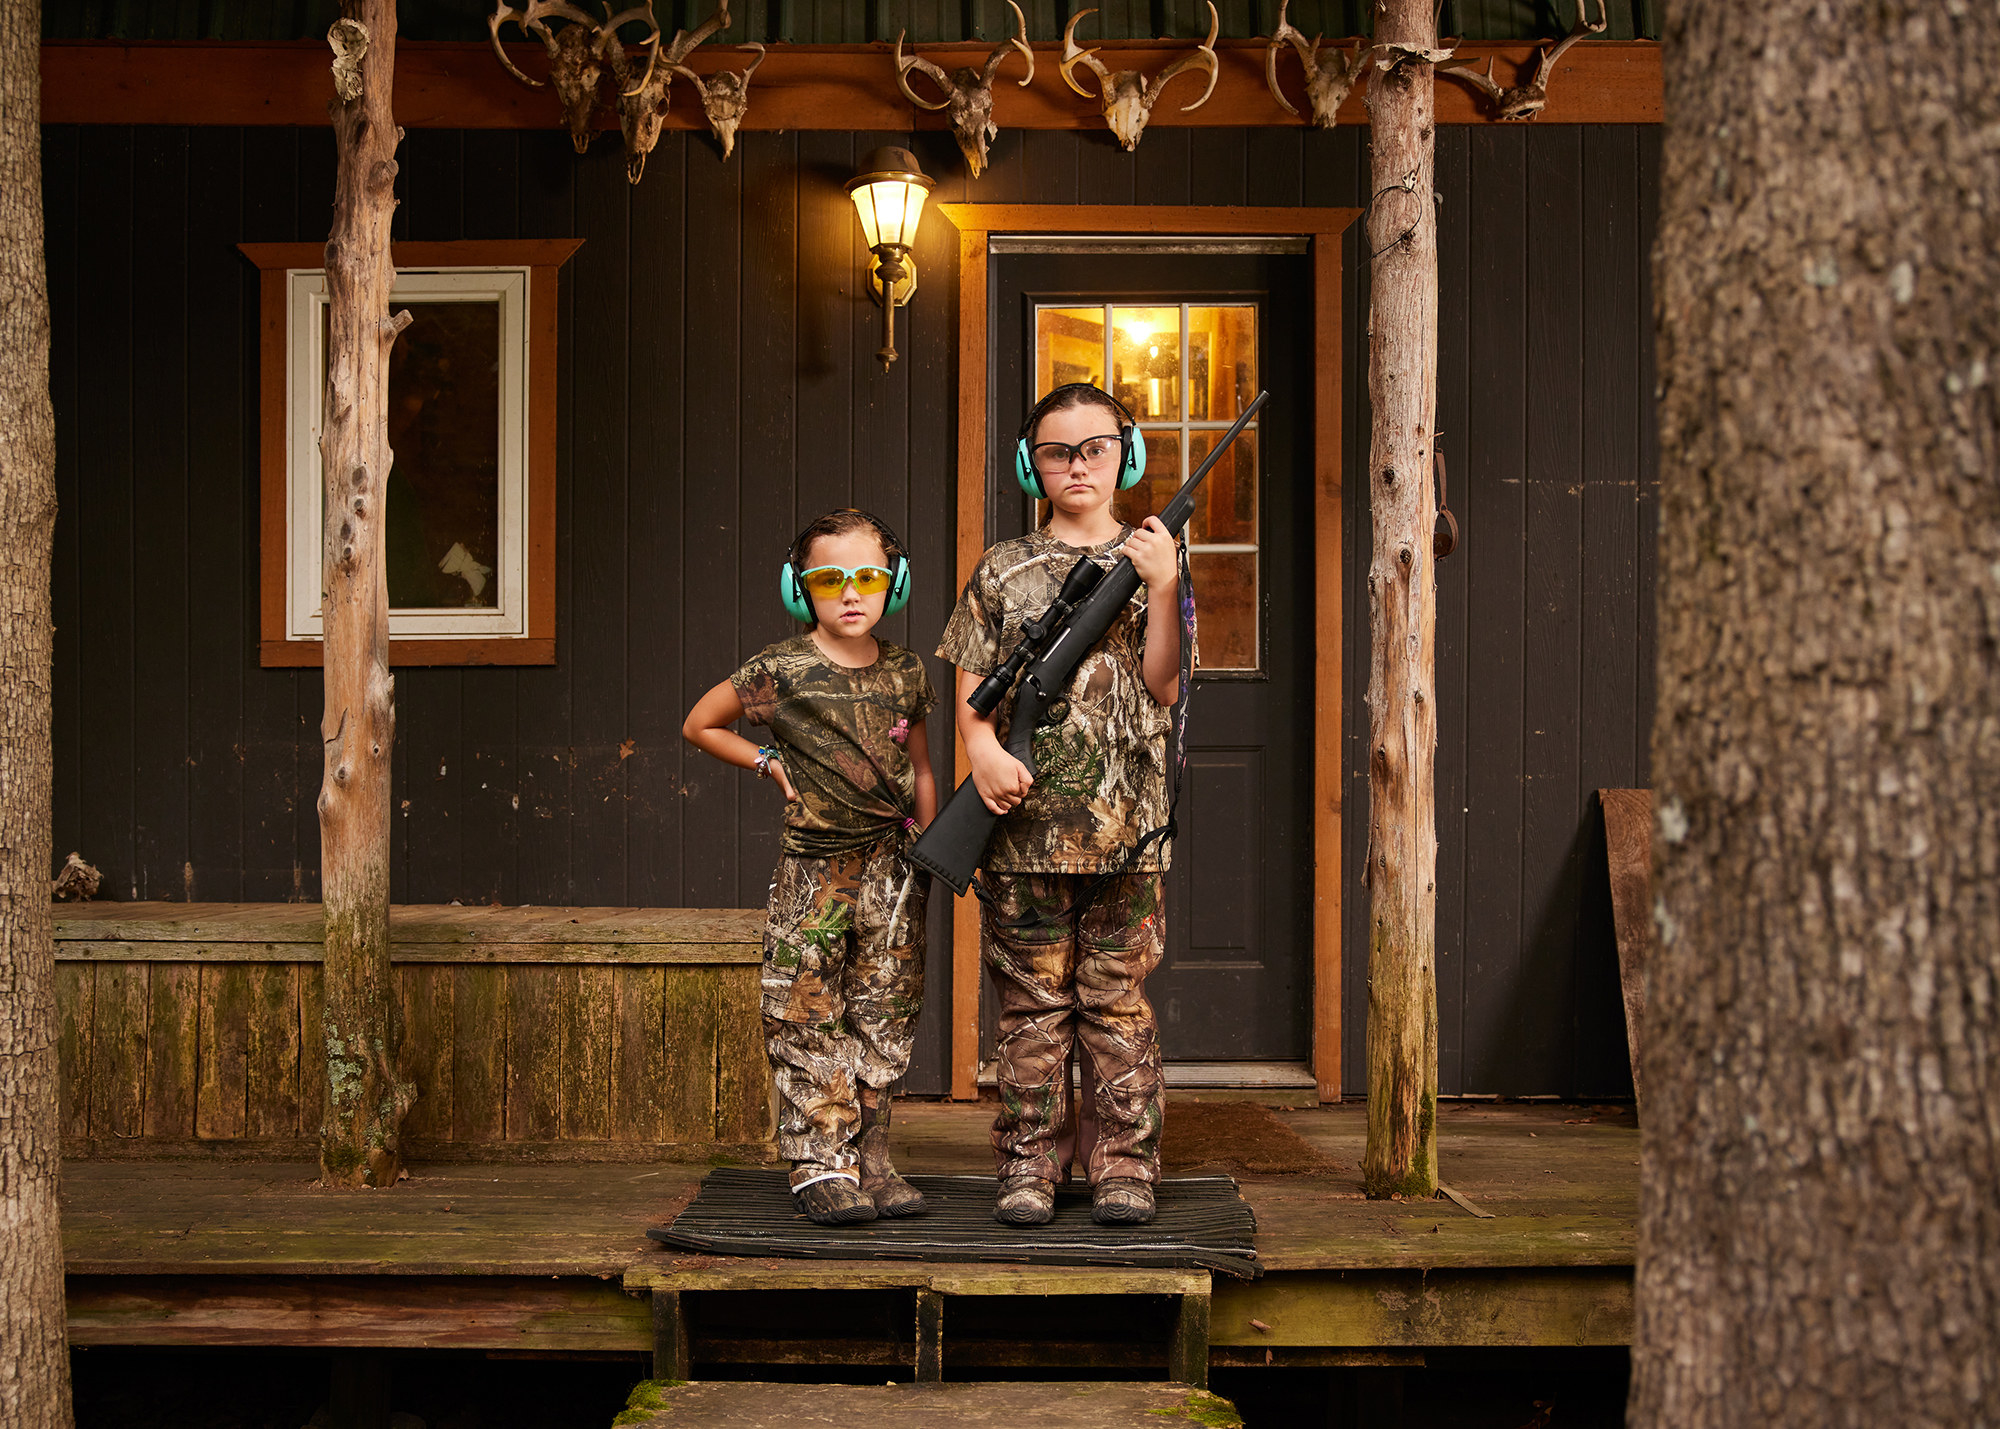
[[844, 936]]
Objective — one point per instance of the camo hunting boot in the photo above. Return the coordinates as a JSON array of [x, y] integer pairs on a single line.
[[1121, 1201], [835, 1201], [892, 1195], [1025, 1201]]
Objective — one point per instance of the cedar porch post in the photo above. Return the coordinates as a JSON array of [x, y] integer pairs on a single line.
[[365, 1101], [1401, 237]]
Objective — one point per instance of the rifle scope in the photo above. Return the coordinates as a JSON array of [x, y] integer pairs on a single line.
[[1082, 579]]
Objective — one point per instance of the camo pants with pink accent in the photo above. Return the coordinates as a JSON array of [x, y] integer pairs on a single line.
[[1062, 980]]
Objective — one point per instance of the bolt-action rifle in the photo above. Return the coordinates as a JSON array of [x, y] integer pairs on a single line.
[[1050, 649]]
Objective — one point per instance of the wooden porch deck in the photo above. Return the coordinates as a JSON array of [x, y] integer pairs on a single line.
[[553, 1258]]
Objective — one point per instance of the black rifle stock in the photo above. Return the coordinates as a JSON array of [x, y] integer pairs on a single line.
[[1051, 648]]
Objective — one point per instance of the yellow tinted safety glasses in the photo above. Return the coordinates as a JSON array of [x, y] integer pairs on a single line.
[[827, 581]]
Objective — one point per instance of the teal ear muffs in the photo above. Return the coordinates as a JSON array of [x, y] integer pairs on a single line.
[[792, 588], [1131, 461]]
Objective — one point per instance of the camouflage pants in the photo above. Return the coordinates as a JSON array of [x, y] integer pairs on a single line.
[[843, 979], [1077, 979]]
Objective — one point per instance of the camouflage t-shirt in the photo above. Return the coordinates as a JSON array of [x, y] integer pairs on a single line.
[[1100, 767], [843, 736]]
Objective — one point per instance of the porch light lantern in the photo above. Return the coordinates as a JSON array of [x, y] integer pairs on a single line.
[[888, 194]]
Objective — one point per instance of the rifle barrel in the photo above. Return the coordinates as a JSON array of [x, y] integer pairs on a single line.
[[1175, 513]]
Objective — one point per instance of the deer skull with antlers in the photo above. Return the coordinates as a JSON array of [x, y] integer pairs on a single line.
[[968, 92], [1128, 97], [1525, 101], [642, 101], [575, 58], [1328, 82], [725, 96]]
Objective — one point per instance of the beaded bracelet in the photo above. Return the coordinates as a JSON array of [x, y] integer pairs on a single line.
[[765, 754]]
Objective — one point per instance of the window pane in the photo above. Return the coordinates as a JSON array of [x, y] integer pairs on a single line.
[[1225, 509], [1162, 479], [444, 436], [1222, 361], [444, 428], [1069, 347], [1146, 362], [1225, 592]]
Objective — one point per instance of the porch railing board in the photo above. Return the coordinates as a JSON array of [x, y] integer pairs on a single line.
[[531, 1049]]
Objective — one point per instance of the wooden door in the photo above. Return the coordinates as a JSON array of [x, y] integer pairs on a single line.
[[1186, 337]]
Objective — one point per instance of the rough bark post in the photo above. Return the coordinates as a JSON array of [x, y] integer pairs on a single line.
[[1820, 1220], [1401, 1157], [34, 1352], [365, 1101]]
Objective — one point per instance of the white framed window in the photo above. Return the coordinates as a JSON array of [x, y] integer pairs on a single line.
[[456, 535], [469, 530]]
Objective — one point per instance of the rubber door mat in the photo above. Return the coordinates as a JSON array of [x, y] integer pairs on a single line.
[[1201, 1224]]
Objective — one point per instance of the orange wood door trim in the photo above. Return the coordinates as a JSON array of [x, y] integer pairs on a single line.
[[452, 85], [975, 222]]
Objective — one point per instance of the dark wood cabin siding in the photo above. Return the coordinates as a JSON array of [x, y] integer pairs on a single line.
[[718, 387]]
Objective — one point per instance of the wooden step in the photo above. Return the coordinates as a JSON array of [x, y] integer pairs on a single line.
[[1022, 1405]]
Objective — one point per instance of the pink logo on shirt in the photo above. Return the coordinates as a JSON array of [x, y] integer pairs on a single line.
[[900, 731]]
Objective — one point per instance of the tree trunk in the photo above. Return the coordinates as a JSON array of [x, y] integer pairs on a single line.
[[1820, 1226], [365, 1101], [34, 1354], [1401, 1158]]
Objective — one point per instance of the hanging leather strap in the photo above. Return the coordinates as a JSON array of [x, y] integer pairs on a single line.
[[1444, 542]]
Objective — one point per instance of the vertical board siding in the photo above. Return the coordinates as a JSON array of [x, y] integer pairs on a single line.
[[719, 388], [159, 1056]]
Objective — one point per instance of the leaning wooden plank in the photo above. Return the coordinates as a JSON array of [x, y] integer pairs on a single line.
[[535, 1052], [1579, 1306], [223, 1096], [743, 1110], [274, 1064], [574, 1314], [687, 1032], [118, 1050], [1628, 840], [639, 1089], [173, 1049], [587, 1013], [312, 1038], [479, 1055], [425, 1005], [76, 988]]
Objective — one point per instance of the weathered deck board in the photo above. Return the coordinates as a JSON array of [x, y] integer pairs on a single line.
[[300, 923], [1563, 1196], [1024, 1405], [514, 1313], [188, 1252]]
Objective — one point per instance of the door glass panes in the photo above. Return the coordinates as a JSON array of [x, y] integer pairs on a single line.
[[1185, 371], [1146, 362]]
